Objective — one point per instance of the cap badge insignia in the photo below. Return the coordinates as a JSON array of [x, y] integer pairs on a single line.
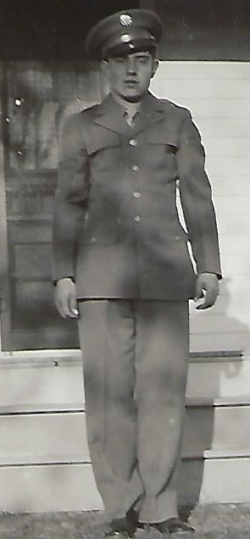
[[125, 38], [125, 19]]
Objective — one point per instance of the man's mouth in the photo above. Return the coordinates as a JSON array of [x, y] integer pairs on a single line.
[[131, 82]]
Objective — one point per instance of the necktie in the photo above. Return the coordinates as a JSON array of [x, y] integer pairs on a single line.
[[130, 118]]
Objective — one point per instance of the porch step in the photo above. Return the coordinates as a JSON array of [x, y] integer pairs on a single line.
[[71, 487], [29, 379], [220, 425], [44, 457], [60, 434]]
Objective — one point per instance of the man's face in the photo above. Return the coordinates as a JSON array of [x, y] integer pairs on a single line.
[[130, 75]]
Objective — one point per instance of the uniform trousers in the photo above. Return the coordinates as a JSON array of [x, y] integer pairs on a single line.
[[135, 355]]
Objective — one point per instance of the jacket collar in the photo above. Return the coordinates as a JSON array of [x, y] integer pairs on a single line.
[[110, 114]]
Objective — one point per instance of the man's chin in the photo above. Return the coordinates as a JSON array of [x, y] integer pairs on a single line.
[[132, 98]]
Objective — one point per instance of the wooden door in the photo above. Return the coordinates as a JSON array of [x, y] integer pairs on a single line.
[[36, 98]]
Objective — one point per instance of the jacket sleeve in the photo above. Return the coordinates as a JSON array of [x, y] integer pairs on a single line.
[[196, 199], [71, 196]]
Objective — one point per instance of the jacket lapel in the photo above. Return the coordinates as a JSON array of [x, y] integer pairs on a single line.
[[151, 113], [111, 115]]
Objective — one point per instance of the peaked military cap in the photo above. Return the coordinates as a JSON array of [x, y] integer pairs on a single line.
[[123, 33]]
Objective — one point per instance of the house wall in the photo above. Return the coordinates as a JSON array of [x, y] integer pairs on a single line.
[[219, 98], [218, 94]]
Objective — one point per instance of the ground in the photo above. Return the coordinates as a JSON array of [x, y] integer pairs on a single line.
[[210, 522]]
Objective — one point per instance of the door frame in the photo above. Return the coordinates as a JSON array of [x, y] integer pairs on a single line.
[[4, 267]]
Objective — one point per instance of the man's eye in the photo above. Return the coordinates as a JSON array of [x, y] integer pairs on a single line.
[[143, 59]]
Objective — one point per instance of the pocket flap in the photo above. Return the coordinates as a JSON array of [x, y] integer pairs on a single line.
[[101, 139], [161, 138]]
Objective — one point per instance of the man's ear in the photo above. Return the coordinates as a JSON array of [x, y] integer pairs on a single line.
[[105, 69], [106, 76], [154, 67], [104, 65]]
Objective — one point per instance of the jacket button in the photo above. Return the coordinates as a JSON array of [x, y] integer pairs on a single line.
[[133, 142], [137, 218], [136, 194], [135, 168]]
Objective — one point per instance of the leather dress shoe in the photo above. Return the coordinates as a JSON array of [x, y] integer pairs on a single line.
[[173, 525], [123, 527], [132, 517]]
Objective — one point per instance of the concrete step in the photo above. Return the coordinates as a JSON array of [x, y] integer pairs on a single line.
[[57, 378], [219, 425], [71, 487], [44, 458], [54, 434]]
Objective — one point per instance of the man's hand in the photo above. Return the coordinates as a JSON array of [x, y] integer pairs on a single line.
[[65, 298], [207, 289]]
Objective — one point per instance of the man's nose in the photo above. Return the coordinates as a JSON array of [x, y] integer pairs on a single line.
[[131, 65]]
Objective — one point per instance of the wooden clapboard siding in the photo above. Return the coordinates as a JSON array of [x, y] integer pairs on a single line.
[[218, 95]]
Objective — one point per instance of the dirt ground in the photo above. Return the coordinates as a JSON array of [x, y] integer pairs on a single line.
[[210, 522]]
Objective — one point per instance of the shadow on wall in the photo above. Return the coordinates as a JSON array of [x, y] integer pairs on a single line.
[[216, 379], [219, 336]]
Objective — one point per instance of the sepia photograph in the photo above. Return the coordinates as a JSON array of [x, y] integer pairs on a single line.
[[124, 268]]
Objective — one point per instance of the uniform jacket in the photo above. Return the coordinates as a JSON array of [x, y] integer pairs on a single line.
[[116, 225]]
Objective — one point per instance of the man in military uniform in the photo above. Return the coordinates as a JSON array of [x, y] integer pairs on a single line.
[[122, 267]]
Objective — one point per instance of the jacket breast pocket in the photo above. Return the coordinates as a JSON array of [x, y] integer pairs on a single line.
[[162, 140], [102, 139]]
